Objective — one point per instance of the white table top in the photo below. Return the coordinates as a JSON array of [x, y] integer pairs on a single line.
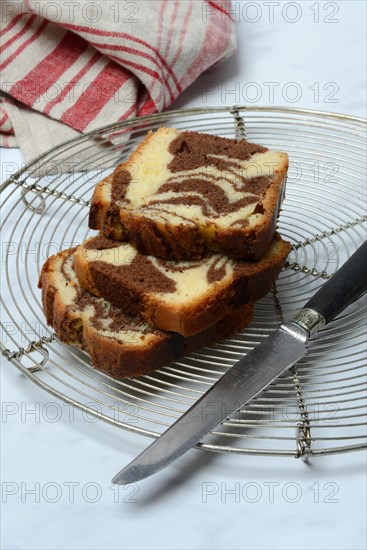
[[204, 500]]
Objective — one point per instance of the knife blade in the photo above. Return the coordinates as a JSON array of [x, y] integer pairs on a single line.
[[254, 372]]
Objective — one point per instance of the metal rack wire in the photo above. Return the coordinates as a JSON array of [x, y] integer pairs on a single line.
[[319, 406]]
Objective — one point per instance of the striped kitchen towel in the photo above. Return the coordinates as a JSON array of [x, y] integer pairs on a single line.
[[72, 66]]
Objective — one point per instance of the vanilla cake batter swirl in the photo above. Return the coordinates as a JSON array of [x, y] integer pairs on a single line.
[[118, 343], [185, 297], [183, 194]]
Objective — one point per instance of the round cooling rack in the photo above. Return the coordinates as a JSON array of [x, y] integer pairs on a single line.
[[319, 406]]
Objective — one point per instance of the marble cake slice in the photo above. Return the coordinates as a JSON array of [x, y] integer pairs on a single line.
[[182, 195], [119, 344], [184, 297]]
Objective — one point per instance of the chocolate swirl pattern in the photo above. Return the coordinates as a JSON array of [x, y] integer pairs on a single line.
[[97, 312], [181, 195], [119, 344], [185, 297]]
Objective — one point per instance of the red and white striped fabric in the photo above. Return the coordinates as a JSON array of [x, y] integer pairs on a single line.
[[90, 63]]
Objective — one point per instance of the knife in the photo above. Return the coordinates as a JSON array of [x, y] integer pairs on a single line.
[[254, 372]]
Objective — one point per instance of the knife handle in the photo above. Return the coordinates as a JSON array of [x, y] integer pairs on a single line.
[[343, 288]]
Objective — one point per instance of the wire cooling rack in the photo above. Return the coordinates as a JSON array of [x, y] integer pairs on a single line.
[[319, 406]]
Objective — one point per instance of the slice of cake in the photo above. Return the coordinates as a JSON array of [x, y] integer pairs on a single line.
[[185, 297], [182, 195], [119, 344]]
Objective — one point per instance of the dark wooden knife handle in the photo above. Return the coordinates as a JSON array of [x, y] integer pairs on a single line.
[[344, 287]]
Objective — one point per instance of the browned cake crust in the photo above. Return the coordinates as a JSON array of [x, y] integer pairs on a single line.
[[185, 297], [154, 230], [119, 344]]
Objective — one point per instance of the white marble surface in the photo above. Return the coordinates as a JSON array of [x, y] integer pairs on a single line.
[[186, 506]]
